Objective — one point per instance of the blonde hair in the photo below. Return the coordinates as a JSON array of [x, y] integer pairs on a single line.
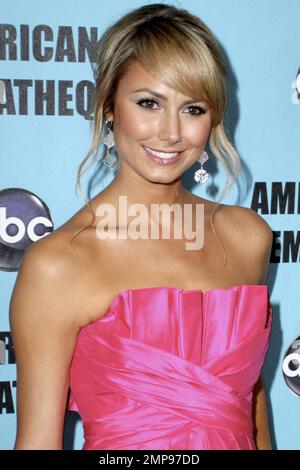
[[179, 50]]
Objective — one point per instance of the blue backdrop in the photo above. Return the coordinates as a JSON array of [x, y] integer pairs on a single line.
[[44, 138]]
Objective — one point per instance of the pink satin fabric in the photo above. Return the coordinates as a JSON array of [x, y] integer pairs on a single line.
[[167, 368]]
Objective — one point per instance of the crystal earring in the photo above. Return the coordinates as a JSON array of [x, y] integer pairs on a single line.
[[201, 175], [108, 159]]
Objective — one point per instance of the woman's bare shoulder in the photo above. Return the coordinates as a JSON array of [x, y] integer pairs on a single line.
[[248, 223], [51, 271], [58, 247], [242, 229], [250, 238], [238, 220], [50, 253]]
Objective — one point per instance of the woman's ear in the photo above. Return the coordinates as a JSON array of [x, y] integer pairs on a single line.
[[109, 117]]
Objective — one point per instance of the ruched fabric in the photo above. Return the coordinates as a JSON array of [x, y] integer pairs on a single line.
[[167, 368]]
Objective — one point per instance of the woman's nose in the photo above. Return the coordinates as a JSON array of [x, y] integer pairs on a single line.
[[170, 128]]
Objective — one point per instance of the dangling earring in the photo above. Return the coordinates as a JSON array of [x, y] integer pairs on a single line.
[[201, 175], [108, 159]]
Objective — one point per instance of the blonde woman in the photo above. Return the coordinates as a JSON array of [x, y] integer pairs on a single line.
[[159, 343]]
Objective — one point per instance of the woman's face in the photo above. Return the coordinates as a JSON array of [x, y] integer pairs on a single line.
[[164, 123]]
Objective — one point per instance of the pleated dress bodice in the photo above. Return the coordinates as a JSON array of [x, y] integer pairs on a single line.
[[168, 368]]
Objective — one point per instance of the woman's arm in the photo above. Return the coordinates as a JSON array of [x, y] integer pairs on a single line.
[[262, 247], [255, 237], [44, 334], [260, 417]]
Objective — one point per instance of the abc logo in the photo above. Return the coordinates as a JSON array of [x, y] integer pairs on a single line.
[[291, 366], [298, 83], [24, 218]]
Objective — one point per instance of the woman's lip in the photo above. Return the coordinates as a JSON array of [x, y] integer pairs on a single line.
[[162, 151], [161, 160]]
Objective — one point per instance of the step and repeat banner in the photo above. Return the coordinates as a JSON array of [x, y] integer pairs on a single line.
[[46, 87]]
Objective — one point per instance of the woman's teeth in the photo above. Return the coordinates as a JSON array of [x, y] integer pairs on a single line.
[[161, 154]]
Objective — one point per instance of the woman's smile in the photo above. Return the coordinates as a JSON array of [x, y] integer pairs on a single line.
[[162, 158]]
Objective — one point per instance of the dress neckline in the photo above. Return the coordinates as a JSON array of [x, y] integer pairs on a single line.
[[175, 289]]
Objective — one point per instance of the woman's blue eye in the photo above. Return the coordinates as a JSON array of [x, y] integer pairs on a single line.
[[199, 112], [146, 101]]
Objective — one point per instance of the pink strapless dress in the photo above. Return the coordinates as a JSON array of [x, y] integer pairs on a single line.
[[168, 368]]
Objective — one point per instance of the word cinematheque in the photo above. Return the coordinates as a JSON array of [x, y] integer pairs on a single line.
[[47, 97], [42, 43]]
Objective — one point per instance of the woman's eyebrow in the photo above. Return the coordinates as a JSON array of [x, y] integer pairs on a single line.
[[159, 95]]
